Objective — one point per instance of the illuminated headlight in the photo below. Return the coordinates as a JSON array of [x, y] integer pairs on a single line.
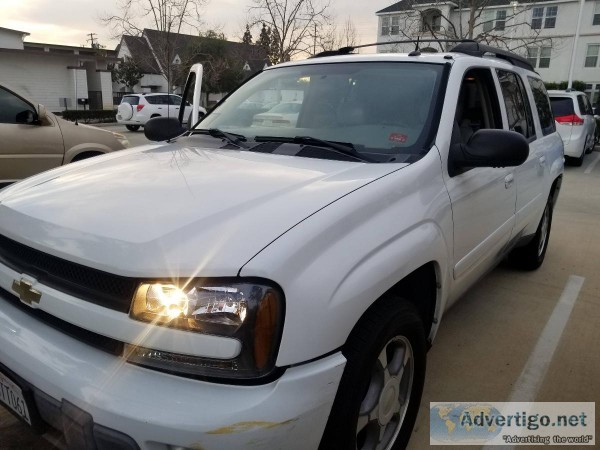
[[249, 312], [121, 138]]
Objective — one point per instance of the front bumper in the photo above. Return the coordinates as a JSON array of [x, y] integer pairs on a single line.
[[155, 410]]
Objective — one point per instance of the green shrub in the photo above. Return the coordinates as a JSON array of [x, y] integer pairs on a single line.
[[562, 85], [87, 116]]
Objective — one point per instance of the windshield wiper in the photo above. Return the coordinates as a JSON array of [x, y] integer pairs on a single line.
[[232, 138], [345, 149]]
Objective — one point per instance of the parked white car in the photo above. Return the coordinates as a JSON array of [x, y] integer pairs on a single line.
[[280, 115], [136, 109], [246, 286], [575, 123]]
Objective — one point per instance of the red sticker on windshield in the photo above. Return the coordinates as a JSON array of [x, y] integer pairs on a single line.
[[398, 137]]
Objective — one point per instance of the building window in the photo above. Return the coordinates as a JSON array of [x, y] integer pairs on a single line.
[[596, 20], [548, 20], [395, 25], [591, 57], [432, 20], [494, 20], [539, 57], [385, 25]]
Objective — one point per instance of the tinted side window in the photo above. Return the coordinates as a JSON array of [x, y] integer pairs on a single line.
[[587, 105], [581, 104], [131, 99], [11, 106], [174, 100], [518, 111], [157, 99], [542, 104]]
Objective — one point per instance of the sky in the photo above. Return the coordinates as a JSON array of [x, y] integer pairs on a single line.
[[69, 22]]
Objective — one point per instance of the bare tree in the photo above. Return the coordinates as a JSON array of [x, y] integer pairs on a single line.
[[165, 16], [510, 27], [333, 38], [292, 24]]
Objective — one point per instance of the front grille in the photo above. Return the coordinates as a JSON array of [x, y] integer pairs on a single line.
[[96, 340], [98, 287]]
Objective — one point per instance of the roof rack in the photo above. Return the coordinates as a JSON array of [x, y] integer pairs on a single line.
[[348, 50], [465, 46], [476, 49]]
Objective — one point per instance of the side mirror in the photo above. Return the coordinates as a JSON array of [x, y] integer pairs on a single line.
[[163, 128], [27, 117], [41, 112], [488, 148]]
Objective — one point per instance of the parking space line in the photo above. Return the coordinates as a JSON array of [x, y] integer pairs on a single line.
[[592, 164], [532, 376], [534, 372]]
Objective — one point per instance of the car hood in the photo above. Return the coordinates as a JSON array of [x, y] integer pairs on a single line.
[[174, 210]]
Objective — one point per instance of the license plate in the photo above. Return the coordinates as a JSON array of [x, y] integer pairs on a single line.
[[12, 396]]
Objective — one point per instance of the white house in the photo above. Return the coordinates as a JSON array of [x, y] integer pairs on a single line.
[[542, 30], [56, 75]]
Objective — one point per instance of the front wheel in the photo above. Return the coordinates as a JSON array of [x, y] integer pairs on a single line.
[[379, 395], [531, 256], [132, 127]]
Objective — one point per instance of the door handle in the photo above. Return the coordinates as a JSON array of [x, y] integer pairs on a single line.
[[542, 160], [508, 180]]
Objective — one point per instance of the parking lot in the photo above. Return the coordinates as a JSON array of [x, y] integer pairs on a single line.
[[488, 338]]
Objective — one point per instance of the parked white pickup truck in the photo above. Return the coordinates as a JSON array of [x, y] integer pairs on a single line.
[[271, 287]]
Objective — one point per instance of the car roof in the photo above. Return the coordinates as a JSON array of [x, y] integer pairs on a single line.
[[564, 93]]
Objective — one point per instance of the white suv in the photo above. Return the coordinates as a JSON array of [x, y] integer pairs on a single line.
[[575, 123], [136, 109], [275, 287]]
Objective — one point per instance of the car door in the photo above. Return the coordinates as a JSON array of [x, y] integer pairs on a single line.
[[483, 199], [174, 105], [529, 176], [27, 146]]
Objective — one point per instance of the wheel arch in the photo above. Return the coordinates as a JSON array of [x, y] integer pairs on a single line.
[[555, 189], [421, 288]]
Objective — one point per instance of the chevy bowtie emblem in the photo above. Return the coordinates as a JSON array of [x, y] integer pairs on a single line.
[[26, 293]]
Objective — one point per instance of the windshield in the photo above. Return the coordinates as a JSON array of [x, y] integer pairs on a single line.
[[380, 108]]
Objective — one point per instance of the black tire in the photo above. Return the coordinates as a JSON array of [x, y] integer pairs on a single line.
[[132, 127], [531, 256], [578, 162], [395, 325]]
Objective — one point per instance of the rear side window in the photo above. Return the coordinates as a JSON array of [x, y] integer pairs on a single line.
[[131, 99], [540, 96], [158, 99], [562, 106], [518, 112], [174, 100], [581, 103], [588, 105]]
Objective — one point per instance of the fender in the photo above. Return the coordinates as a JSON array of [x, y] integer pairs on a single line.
[[336, 263], [85, 147]]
